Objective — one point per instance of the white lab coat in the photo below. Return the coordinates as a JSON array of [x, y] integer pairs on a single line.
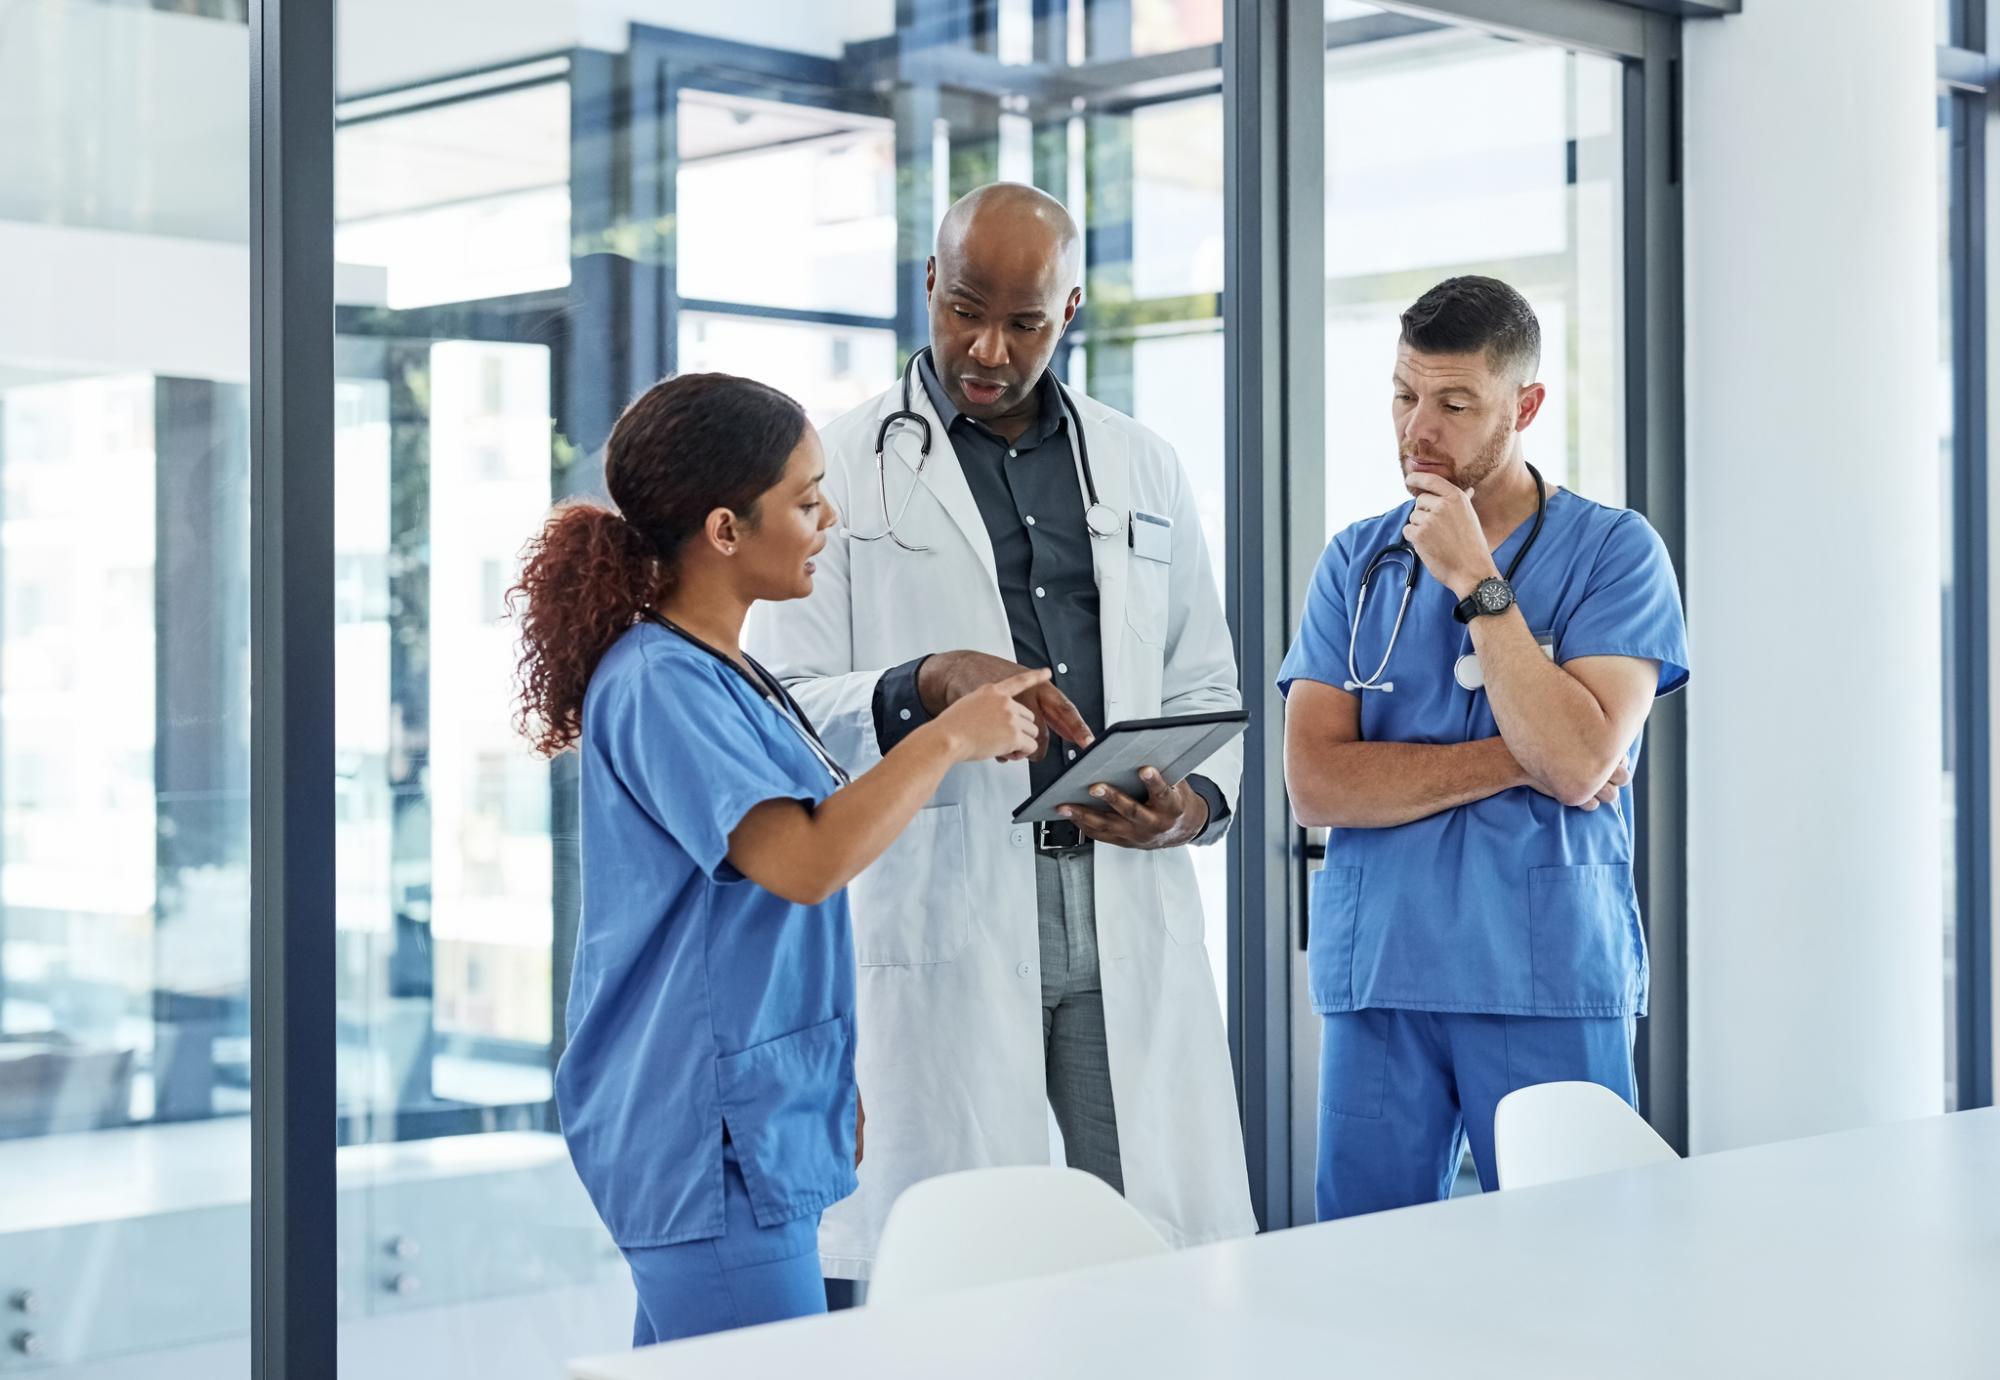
[[950, 1040]]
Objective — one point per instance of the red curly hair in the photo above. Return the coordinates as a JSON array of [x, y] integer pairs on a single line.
[[688, 446], [583, 580]]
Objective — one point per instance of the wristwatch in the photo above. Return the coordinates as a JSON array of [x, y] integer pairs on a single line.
[[1491, 596]]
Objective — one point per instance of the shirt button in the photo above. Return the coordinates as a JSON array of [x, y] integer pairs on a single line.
[[1063, 667], [1072, 754], [1012, 454], [1022, 970], [1019, 838], [1031, 519], [906, 713], [1040, 593]]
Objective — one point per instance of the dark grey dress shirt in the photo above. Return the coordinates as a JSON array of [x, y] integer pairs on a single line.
[[1031, 501]]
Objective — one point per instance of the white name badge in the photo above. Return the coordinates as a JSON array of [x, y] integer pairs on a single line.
[[1466, 670], [1152, 537]]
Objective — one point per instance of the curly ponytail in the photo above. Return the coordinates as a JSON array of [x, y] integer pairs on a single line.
[[687, 446], [583, 580]]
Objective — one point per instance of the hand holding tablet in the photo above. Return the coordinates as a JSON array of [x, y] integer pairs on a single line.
[[1173, 746]]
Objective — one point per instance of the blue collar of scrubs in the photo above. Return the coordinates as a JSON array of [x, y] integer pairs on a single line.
[[766, 685]]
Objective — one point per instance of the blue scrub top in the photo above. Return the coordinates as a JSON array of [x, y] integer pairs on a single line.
[[1516, 904], [700, 1003]]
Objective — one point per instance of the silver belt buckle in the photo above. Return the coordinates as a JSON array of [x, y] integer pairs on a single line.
[[1055, 837]]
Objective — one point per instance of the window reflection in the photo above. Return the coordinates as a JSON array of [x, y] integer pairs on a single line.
[[124, 684], [1451, 152]]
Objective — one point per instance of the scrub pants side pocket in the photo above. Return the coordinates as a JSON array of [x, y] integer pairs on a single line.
[[1335, 911], [1584, 940], [1354, 1063]]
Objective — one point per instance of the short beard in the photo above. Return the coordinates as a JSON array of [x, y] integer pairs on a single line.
[[1487, 461]]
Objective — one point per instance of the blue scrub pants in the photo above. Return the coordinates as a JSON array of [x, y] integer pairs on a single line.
[[1400, 1093], [747, 1275]]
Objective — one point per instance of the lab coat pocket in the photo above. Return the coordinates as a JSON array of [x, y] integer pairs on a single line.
[[1584, 940], [788, 1105], [1146, 592], [923, 906], [1333, 911], [1179, 896]]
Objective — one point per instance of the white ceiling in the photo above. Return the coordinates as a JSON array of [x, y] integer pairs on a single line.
[[391, 43], [124, 118], [712, 124], [512, 141]]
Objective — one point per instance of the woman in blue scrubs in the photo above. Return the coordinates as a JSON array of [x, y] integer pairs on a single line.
[[707, 1088]]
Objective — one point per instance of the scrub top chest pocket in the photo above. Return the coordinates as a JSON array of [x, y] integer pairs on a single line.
[[1471, 676], [1151, 566]]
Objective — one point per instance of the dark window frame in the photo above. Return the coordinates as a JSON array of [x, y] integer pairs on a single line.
[[1969, 103]]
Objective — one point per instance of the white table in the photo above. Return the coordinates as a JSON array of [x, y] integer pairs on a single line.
[[1873, 1252]]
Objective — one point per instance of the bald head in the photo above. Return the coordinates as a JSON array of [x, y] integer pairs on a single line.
[[1012, 220], [1004, 284]]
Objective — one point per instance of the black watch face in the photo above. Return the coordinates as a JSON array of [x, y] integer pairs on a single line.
[[1493, 596]]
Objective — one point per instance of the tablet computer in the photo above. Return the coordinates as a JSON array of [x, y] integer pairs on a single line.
[[1174, 747]]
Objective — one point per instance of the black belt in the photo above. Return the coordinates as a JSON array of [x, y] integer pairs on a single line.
[[1056, 837]]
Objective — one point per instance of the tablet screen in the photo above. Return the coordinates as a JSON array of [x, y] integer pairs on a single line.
[[1174, 747]]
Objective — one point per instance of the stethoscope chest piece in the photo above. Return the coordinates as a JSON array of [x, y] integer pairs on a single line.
[[1467, 672]]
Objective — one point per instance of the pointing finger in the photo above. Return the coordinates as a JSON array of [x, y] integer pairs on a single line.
[[1060, 713]]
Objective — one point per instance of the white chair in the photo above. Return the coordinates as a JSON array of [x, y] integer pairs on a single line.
[[987, 1226], [1556, 1131]]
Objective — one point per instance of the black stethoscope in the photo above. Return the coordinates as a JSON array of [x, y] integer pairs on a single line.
[[1098, 517], [1400, 549], [770, 688]]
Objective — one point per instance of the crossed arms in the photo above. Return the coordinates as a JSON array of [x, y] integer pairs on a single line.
[[1564, 731]]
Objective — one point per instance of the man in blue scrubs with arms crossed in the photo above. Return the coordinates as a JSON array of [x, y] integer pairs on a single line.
[[1476, 928]]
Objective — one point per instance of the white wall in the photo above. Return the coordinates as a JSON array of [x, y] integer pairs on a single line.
[[1814, 813]]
